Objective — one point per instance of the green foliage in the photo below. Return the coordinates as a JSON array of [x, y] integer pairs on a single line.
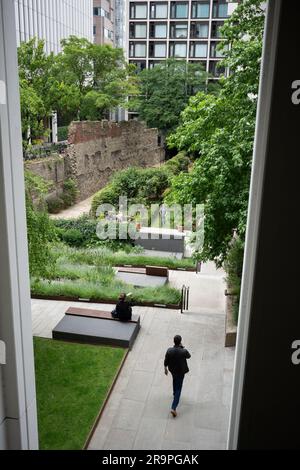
[[55, 204], [140, 185], [234, 269], [165, 92], [84, 81], [104, 256], [90, 79], [220, 130], [35, 75], [62, 133], [72, 382], [70, 192], [40, 229], [82, 232]]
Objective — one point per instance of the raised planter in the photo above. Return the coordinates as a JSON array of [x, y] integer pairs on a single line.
[[144, 266], [230, 327], [103, 301]]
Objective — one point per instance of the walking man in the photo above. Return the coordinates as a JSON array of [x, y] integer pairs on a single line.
[[175, 362]]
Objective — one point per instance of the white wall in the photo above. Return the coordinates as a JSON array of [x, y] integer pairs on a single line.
[[53, 20], [18, 417]]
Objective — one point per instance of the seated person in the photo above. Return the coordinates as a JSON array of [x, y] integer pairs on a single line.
[[123, 310]]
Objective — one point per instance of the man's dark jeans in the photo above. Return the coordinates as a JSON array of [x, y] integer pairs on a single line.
[[177, 387]]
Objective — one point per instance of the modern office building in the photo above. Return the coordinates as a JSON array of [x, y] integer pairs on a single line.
[[104, 20], [183, 29], [53, 20]]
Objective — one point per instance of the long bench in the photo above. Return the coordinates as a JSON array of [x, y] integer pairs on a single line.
[[101, 314], [96, 327]]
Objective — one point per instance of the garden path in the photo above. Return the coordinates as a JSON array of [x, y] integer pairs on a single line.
[[137, 413], [75, 211]]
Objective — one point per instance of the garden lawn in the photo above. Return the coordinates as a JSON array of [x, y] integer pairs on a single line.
[[72, 382], [104, 256]]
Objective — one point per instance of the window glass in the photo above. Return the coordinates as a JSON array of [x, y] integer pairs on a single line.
[[179, 50], [160, 31], [140, 50], [180, 31], [140, 11], [161, 11], [199, 50], [159, 50], [140, 30]]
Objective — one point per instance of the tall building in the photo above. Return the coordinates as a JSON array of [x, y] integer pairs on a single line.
[[53, 20], [183, 29], [104, 20]]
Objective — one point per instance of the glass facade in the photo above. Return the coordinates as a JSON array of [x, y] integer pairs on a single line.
[[187, 30]]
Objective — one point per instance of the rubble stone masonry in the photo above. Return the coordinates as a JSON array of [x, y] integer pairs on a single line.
[[98, 149]]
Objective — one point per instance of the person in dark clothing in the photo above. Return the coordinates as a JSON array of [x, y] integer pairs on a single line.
[[123, 310], [175, 362]]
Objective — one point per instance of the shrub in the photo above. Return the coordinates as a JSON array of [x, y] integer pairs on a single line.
[[179, 163], [69, 192], [72, 237], [55, 204], [234, 269], [62, 133]]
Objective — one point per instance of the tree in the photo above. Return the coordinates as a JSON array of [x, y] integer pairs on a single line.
[[35, 76], [165, 92], [84, 81], [219, 131], [91, 79]]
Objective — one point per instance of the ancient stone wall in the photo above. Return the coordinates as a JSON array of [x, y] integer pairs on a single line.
[[98, 149]]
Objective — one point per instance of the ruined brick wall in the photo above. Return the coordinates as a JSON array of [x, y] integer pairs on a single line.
[[52, 169], [98, 149]]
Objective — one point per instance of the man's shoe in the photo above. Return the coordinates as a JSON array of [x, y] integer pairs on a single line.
[[173, 413]]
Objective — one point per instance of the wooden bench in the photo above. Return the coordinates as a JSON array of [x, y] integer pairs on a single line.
[[157, 271], [101, 314]]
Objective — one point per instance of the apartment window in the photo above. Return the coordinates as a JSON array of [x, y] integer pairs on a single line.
[[140, 64], [138, 10], [137, 49], [98, 11], [153, 63], [158, 30], [157, 49], [215, 29], [179, 30], [215, 69], [179, 10], [158, 10], [214, 52], [178, 49], [200, 9], [220, 9], [198, 49], [199, 30], [95, 30], [108, 34], [137, 30]]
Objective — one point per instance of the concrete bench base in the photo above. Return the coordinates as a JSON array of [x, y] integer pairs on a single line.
[[96, 331]]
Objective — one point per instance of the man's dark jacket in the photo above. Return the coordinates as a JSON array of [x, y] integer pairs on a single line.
[[124, 310], [175, 360]]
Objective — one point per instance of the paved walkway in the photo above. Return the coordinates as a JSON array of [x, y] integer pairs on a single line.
[[137, 414], [75, 211]]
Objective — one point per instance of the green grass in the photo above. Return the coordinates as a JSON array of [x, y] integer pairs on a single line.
[[72, 381], [103, 256], [97, 291]]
